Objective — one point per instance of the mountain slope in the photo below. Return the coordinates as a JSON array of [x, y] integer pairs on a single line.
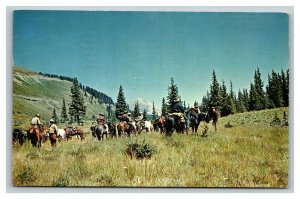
[[34, 93]]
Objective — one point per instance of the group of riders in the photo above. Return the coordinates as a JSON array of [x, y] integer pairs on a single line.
[[177, 111]]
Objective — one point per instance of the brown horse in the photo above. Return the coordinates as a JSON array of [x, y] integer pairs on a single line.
[[73, 131], [215, 117], [124, 128], [36, 136], [159, 124]]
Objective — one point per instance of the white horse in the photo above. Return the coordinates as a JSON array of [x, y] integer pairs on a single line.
[[148, 126], [61, 134]]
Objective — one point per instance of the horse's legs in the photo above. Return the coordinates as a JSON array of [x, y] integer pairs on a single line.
[[215, 125], [53, 141]]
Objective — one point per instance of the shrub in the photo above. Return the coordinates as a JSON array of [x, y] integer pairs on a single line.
[[140, 150], [26, 176]]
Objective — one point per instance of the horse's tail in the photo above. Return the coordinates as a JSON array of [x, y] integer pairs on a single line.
[[99, 132], [33, 137], [169, 125]]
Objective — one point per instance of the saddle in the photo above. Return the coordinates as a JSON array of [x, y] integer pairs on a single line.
[[179, 117]]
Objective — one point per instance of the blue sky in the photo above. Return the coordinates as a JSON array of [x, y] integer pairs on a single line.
[[142, 50]]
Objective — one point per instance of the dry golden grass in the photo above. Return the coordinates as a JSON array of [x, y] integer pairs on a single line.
[[242, 156]]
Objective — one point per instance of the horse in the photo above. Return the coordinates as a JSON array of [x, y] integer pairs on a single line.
[[123, 128], [204, 117], [147, 125], [73, 131], [112, 129], [37, 135], [194, 122], [172, 123], [61, 135], [52, 137], [18, 137], [158, 124], [101, 130], [214, 116]]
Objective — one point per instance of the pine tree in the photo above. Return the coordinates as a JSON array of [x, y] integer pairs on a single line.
[[136, 110], [64, 115], [253, 96], [260, 103], [246, 99], [196, 103], [164, 107], [153, 112], [121, 105], [77, 108], [241, 107], [285, 87], [54, 116], [172, 93], [145, 114], [215, 99], [225, 107], [232, 99], [109, 112], [274, 90], [205, 102]]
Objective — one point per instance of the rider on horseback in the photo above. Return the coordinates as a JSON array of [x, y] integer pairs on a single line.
[[127, 118], [36, 123], [101, 120], [194, 111], [177, 109], [52, 128]]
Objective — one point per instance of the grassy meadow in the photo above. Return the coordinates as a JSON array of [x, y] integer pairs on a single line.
[[250, 154]]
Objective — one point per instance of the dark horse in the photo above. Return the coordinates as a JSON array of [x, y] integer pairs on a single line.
[[172, 123], [193, 119], [100, 131], [206, 117], [72, 132], [196, 118], [112, 129], [124, 128], [214, 115], [18, 137]]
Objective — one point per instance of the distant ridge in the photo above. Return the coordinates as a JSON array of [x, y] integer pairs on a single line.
[[35, 93]]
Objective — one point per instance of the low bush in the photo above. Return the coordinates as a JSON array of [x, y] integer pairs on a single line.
[[140, 150]]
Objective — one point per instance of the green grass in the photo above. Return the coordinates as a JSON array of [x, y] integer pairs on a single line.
[[242, 156]]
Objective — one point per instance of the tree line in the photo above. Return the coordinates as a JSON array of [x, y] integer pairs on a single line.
[[226, 101], [99, 96], [275, 94]]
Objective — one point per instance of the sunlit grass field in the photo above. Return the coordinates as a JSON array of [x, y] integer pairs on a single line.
[[246, 155]]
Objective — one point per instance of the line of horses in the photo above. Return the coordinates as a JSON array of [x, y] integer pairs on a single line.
[[111, 129], [170, 123], [41, 135], [165, 124]]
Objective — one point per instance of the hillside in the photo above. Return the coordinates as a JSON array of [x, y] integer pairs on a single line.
[[261, 118], [34, 93]]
